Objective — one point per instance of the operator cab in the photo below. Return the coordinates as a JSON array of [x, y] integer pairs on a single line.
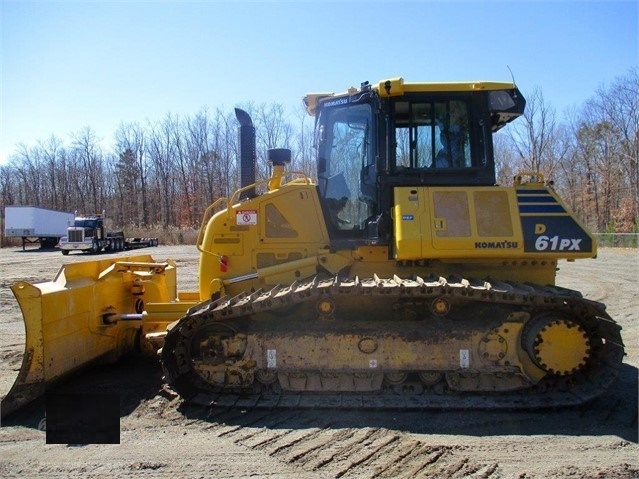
[[374, 138]]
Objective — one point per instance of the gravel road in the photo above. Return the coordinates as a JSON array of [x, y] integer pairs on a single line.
[[162, 437]]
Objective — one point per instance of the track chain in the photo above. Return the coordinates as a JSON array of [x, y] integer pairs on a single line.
[[591, 314]]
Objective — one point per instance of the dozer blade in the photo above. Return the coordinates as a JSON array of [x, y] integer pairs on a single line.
[[90, 313]]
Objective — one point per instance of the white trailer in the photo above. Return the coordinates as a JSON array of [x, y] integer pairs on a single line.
[[36, 225]]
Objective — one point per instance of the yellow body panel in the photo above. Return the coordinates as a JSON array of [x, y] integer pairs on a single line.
[[443, 222], [482, 222], [275, 236]]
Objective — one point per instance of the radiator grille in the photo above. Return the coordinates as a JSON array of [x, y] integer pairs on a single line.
[[76, 236]]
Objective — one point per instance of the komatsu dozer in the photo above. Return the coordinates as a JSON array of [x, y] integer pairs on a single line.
[[398, 275]]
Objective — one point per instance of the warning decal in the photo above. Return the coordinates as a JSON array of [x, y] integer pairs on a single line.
[[464, 358], [271, 358], [246, 217]]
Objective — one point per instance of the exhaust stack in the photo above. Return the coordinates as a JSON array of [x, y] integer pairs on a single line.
[[248, 154]]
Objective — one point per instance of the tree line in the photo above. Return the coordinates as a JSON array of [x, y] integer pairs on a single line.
[[165, 173], [591, 156]]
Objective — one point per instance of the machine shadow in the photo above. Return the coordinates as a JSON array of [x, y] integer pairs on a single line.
[[614, 413], [137, 379], [133, 380]]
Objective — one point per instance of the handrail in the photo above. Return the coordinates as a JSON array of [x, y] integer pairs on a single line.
[[306, 180], [304, 177], [534, 177], [205, 219]]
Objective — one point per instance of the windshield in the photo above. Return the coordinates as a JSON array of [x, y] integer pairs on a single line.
[[347, 164], [85, 223]]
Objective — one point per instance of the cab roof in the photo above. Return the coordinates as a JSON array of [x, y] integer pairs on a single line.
[[397, 86]]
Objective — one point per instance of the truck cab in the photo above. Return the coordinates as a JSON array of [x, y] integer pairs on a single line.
[[86, 234]]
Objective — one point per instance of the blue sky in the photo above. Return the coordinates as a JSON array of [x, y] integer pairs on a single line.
[[67, 65]]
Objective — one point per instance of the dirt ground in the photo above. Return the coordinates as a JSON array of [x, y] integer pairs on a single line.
[[162, 437]]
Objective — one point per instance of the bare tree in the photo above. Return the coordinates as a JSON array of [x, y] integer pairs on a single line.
[[507, 162], [224, 145], [533, 136], [618, 107], [185, 176], [161, 150], [90, 178], [205, 160], [607, 146], [26, 164], [7, 183], [52, 157], [304, 144]]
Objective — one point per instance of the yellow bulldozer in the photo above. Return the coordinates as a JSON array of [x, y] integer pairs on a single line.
[[400, 276]]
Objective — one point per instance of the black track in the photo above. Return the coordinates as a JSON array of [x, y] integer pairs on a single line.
[[601, 370]]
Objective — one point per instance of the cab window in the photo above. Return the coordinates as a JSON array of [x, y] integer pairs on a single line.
[[432, 134]]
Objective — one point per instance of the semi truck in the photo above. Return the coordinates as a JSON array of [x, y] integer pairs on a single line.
[[89, 234], [36, 225]]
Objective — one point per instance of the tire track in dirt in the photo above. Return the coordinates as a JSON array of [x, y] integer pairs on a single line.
[[301, 440]]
